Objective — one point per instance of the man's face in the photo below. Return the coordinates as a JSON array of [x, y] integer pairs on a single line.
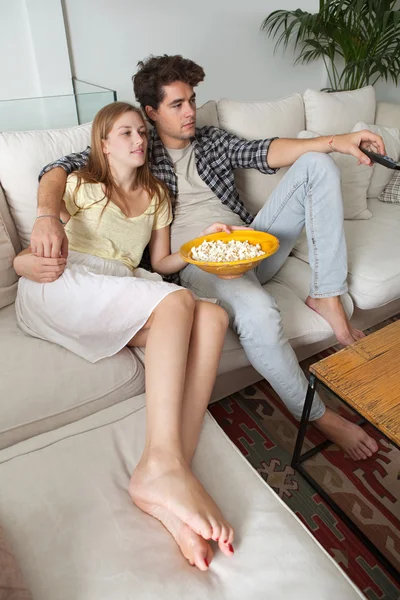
[[175, 118]]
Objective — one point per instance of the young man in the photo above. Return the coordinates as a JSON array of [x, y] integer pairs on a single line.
[[198, 167]]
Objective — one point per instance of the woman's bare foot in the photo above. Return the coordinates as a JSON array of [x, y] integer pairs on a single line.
[[349, 436], [331, 309], [161, 484], [194, 548]]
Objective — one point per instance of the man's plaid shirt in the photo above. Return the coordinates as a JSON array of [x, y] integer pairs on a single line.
[[218, 153]]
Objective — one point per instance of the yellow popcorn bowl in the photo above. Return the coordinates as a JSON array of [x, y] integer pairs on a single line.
[[230, 270]]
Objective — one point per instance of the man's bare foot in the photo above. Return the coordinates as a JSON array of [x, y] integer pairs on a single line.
[[350, 437], [331, 309], [160, 484]]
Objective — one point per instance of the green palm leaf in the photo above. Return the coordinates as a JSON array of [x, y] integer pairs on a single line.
[[364, 33]]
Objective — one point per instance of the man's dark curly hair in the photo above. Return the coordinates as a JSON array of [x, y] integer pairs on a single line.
[[158, 71]]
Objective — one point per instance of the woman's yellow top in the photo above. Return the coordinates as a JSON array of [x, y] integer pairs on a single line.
[[114, 235]]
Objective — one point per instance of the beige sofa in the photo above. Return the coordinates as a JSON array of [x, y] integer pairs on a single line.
[[71, 432]]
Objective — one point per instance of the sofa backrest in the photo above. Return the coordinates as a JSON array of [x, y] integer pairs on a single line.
[[388, 114], [257, 120], [22, 156]]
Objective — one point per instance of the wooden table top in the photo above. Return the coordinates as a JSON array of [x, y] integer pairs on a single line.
[[367, 376]]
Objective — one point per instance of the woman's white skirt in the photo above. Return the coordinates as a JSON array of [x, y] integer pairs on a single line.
[[94, 308]]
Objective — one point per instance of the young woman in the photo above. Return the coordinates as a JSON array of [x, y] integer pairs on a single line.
[[97, 302]]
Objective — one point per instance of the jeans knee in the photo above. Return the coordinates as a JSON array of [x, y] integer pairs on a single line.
[[321, 162], [261, 324]]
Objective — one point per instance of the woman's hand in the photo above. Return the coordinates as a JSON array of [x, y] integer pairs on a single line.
[[39, 269], [217, 227], [350, 143]]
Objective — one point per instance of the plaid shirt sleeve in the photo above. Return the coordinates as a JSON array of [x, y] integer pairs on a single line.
[[69, 163], [248, 155]]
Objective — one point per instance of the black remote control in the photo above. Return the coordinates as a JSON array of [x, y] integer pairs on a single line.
[[386, 161]]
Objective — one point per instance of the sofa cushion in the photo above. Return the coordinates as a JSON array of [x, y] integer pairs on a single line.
[[257, 120], [8, 277], [43, 386], [338, 112], [207, 115], [387, 114], [355, 180], [78, 536], [290, 288], [373, 249], [22, 156]]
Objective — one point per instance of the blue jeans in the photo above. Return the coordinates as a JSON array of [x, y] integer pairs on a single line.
[[309, 195]]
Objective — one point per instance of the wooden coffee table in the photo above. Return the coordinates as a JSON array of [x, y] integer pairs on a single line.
[[366, 377]]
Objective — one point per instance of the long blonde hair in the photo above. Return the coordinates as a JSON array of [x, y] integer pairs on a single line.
[[98, 170]]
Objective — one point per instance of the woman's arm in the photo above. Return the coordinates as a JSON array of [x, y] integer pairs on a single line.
[[37, 268], [163, 261]]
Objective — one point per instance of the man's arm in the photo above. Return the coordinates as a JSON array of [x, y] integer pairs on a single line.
[[284, 152], [48, 238], [268, 155]]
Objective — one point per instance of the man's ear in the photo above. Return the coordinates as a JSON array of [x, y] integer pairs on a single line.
[[151, 112]]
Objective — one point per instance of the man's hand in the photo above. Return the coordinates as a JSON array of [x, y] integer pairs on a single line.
[[350, 143], [48, 238], [39, 269], [217, 227]]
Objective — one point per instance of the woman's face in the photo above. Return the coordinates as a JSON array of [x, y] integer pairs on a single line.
[[126, 143]]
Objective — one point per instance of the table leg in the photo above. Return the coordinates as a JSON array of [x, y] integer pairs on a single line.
[[297, 463], [305, 417]]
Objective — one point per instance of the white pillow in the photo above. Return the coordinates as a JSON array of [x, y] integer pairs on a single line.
[[338, 112], [22, 156], [387, 114], [382, 175], [355, 181], [207, 114], [258, 120]]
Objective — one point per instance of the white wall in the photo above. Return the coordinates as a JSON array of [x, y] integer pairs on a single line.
[[108, 37], [35, 63], [34, 49], [18, 77], [387, 91]]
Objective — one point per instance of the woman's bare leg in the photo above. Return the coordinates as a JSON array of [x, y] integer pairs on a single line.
[[208, 333], [162, 484]]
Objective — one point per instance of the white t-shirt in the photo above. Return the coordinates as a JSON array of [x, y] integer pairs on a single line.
[[196, 205]]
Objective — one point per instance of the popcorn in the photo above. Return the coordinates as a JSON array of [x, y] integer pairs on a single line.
[[226, 251]]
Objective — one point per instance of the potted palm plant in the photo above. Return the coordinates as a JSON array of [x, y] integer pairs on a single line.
[[358, 40]]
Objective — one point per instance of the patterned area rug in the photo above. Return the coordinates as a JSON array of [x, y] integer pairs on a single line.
[[265, 432]]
